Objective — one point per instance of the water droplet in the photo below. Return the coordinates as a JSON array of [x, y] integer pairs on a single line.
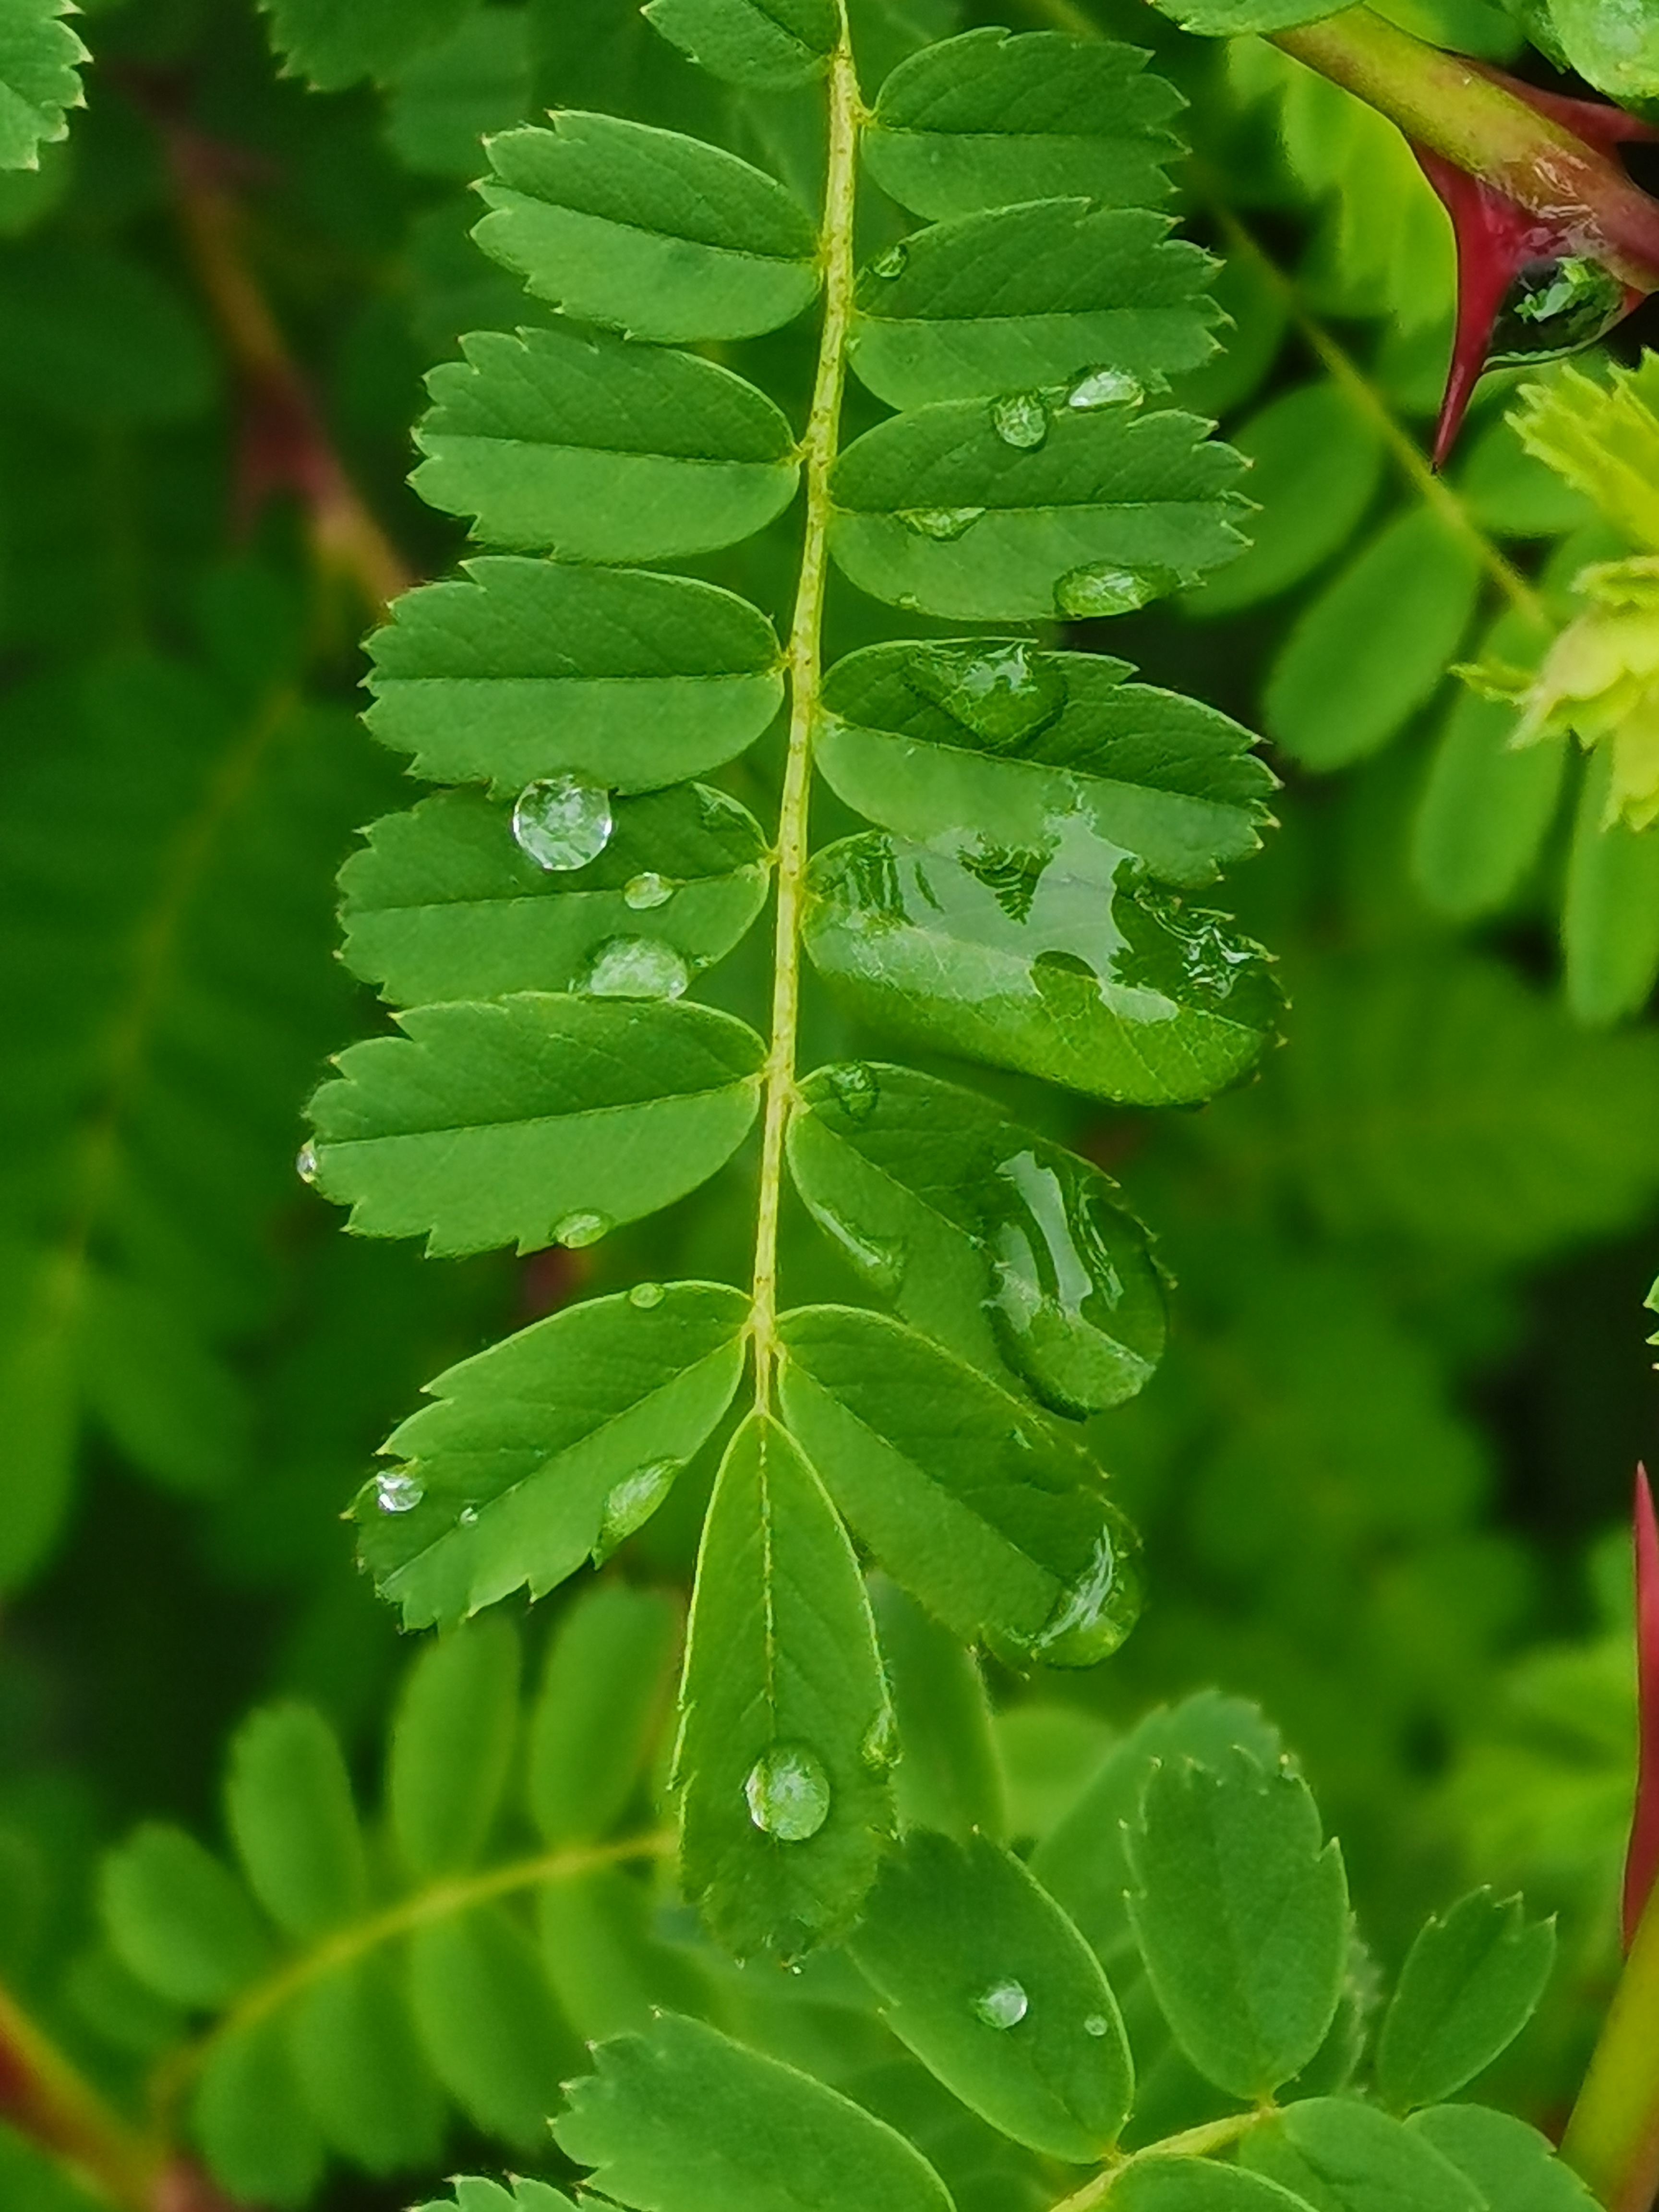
[[1075, 1299], [892, 262], [397, 1493], [1020, 418], [563, 823], [1083, 593], [631, 1504], [1003, 694], [1554, 308], [637, 968], [577, 1230], [943, 524], [305, 1163], [646, 891], [1105, 387], [856, 1091], [469, 1516], [1092, 1618], [645, 1296], [788, 1793], [1096, 2024], [880, 1260], [880, 1749], [1005, 2004]]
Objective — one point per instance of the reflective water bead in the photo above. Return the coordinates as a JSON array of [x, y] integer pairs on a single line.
[[1004, 693], [892, 264], [943, 524], [788, 1793], [631, 1502], [1092, 1618], [1005, 2004], [397, 1493], [1554, 307], [1096, 2024], [637, 968], [305, 1163], [1106, 590], [577, 1230], [469, 1516], [562, 823], [646, 891], [857, 1092], [645, 1296], [1105, 387], [1020, 418], [880, 1749]]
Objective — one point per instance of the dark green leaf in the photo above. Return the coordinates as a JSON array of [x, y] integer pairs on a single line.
[[530, 669], [489, 2024], [594, 448], [752, 42], [444, 903], [990, 1518], [685, 2121], [983, 1977], [1024, 958], [950, 1777], [295, 1821], [1470, 1983], [936, 511], [1241, 1912], [786, 1733], [536, 1120], [178, 1919], [1511, 2164], [550, 1446], [454, 1737], [362, 2069], [1344, 2156], [38, 83], [442, 103], [987, 119], [601, 1704], [647, 232], [334, 45]]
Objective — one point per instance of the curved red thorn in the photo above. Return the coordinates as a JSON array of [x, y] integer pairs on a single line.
[[1642, 1862]]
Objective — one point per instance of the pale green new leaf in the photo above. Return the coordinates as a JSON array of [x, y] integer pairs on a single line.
[[761, 43], [983, 1977], [786, 1732], [1003, 1247], [295, 1820], [335, 42], [1241, 1912], [1511, 2164], [442, 903], [938, 741], [1610, 919], [1344, 2156], [647, 232], [454, 1737], [1018, 299], [595, 449], [532, 1120], [987, 120], [491, 2031], [39, 78], [967, 1497], [1027, 959], [935, 510], [598, 1709], [178, 1919], [685, 2120], [1470, 1982], [549, 1447], [528, 669]]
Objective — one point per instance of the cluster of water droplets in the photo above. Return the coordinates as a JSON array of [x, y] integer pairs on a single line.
[[788, 1793], [562, 823]]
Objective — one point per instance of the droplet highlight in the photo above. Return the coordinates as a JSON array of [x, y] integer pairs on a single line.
[[637, 968], [562, 823], [646, 1296], [943, 524], [397, 1493], [1096, 2024], [1004, 693], [1092, 1618], [1105, 387], [891, 263], [788, 1793], [855, 1089], [642, 893], [880, 1749], [631, 1504], [305, 1163], [1021, 419], [1005, 2004], [577, 1230], [469, 1516], [1086, 593]]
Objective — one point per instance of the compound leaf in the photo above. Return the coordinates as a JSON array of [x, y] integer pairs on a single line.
[[491, 2030], [454, 1734], [364, 2074], [251, 2119], [472, 2194], [598, 1709], [178, 1919], [295, 1820], [761, 43], [1469, 1985], [1486, 810], [334, 45], [39, 81]]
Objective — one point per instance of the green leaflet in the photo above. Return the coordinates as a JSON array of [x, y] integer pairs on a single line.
[[489, 2024], [598, 1709], [1014, 299], [983, 1977], [536, 1120], [334, 45], [527, 669], [951, 1776], [1469, 1984], [683, 2120], [249, 2116], [38, 83], [440, 104], [786, 1733], [1610, 921], [1191, 2184], [987, 120], [647, 232], [935, 741], [1344, 2156], [443, 903], [474, 2195], [291, 1811], [178, 1919], [752, 42], [363, 2072], [1617, 48], [1230, 19], [1007, 1249], [1022, 958], [451, 1741], [551, 1446], [597, 449], [987, 1515], [1486, 810], [607, 1960], [936, 511], [1511, 2164], [1241, 1912]]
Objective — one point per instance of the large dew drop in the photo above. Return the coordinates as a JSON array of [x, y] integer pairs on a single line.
[[1004, 694], [1085, 593], [562, 823], [397, 1493], [578, 1230], [943, 524], [646, 1296], [1092, 1618], [892, 262], [788, 1793], [631, 1504], [637, 968], [1005, 2004], [1105, 387], [1021, 419], [646, 891]]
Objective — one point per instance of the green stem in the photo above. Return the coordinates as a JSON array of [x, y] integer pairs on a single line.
[[804, 660], [1193, 2143], [1448, 105], [1611, 2140]]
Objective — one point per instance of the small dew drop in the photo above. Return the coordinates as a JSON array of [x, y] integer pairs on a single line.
[[645, 1296], [1020, 418], [856, 1091], [646, 891], [880, 1749], [1086, 593], [1096, 2024], [469, 1516], [892, 262], [631, 1504], [562, 823], [305, 1163], [578, 1229], [1105, 387], [788, 1793], [397, 1493], [1005, 2004], [943, 524], [637, 968]]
